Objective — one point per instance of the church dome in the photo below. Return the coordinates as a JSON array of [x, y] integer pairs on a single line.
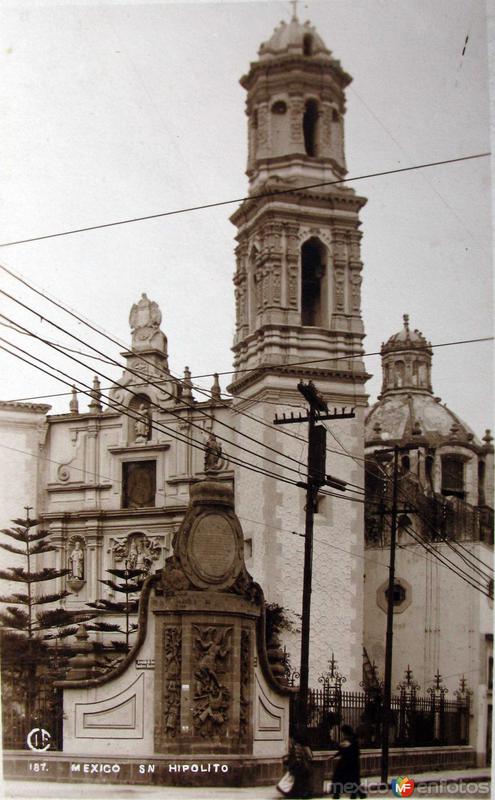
[[406, 409], [404, 417], [293, 37]]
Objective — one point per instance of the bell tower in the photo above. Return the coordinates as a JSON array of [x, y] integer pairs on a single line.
[[298, 277], [298, 316]]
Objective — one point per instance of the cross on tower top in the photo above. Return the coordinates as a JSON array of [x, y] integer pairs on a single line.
[[294, 10]]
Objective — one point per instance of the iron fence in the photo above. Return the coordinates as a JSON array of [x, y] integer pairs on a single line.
[[18, 722], [414, 721]]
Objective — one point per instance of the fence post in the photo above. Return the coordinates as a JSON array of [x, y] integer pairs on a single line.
[[463, 696], [407, 708], [438, 693]]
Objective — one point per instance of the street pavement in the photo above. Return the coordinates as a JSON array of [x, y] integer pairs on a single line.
[[472, 783]]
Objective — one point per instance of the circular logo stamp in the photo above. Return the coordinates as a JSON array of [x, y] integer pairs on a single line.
[[38, 739]]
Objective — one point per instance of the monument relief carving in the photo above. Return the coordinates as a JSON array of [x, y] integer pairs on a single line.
[[172, 656], [212, 648], [245, 683]]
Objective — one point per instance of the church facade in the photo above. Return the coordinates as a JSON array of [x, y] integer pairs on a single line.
[[113, 478]]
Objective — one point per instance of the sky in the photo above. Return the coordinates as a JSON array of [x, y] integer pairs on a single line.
[[114, 111]]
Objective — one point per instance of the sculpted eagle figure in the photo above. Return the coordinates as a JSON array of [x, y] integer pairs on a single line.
[[145, 314]]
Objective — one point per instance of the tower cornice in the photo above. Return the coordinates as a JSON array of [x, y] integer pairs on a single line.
[[315, 202], [315, 373]]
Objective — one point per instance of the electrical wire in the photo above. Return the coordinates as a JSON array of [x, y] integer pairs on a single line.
[[106, 335], [449, 543], [404, 496], [99, 476], [248, 198], [157, 386], [443, 559], [112, 404]]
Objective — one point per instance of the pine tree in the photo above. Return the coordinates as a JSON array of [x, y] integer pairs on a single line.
[[26, 626], [132, 582]]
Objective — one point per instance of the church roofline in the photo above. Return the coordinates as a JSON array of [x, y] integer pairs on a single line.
[[35, 408]]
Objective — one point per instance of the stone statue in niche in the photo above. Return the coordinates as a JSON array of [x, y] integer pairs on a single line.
[[212, 648], [76, 561], [139, 556], [213, 454], [142, 424]]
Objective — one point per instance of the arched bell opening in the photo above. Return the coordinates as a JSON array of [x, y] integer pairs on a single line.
[[313, 283]]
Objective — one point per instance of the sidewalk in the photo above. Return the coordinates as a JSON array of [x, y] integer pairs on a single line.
[[44, 790], [477, 775]]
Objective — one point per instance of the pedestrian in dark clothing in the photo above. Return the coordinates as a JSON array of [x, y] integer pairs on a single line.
[[297, 780], [346, 775]]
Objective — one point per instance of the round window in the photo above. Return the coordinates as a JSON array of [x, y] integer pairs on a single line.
[[279, 107]]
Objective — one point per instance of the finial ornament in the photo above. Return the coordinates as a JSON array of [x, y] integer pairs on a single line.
[[215, 389], [74, 404], [95, 406], [294, 10], [488, 438], [187, 386], [405, 317]]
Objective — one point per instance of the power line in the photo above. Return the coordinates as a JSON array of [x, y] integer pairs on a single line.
[[449, 543], [116, 341], [347, 357], [272, 193], [443, 538], [405, 496], [160, 427], [99, 475], [76, 338], [443, 560], [203, 391], [161, 388], [269, 367], [320, 541], [112, 404]]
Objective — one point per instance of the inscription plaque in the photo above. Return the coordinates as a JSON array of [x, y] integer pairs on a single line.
[[212, 547]]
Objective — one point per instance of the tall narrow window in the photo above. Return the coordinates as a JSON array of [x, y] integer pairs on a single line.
[[453, 476], [310, 127], [481, 483], [312, 276], [307, 45]]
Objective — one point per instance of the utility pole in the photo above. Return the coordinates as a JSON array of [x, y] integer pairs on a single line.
[[385, 455], [317, 411]]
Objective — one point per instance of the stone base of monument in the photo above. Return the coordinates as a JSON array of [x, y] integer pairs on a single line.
[[195, 702], [203, 770]]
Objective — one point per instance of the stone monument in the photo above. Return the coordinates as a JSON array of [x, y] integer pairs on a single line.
[[196, 689]]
